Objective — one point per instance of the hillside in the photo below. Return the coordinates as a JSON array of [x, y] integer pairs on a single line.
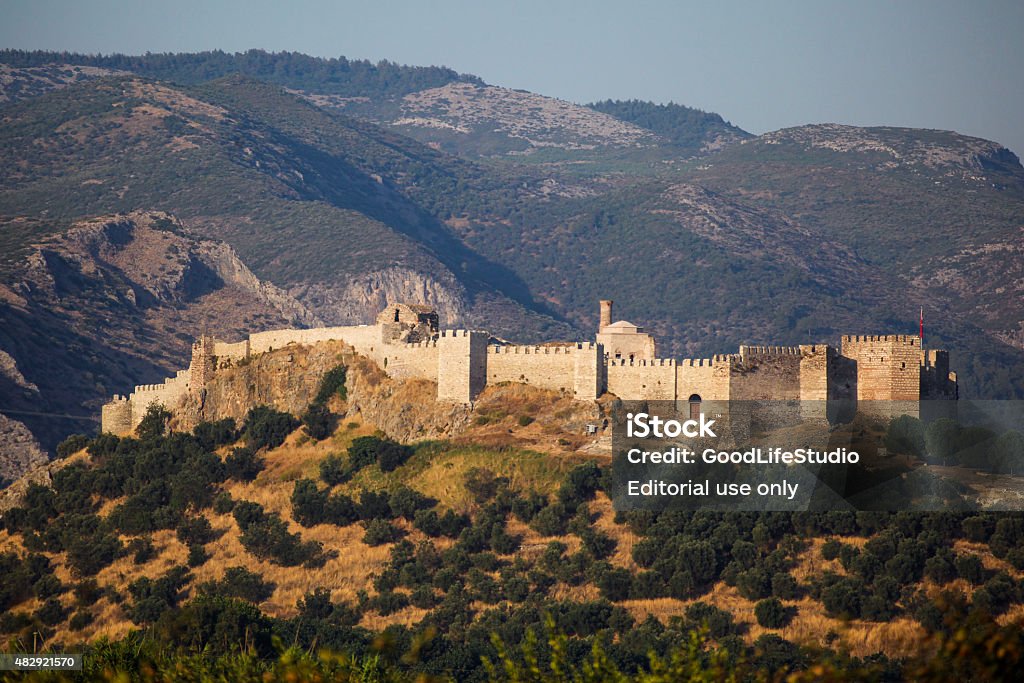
[[457, 113], [252, 529], [939, 212], [691, 131], [794, 236]]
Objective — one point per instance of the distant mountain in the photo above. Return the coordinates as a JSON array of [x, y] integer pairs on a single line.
[[454, 112], [338, 76]]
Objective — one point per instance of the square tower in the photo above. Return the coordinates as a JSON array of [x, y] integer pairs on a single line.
[[461, 365]]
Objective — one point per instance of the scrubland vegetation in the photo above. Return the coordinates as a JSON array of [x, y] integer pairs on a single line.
[[228, 552]]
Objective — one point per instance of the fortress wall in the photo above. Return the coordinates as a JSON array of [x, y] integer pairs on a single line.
[[704, 377], [116, 416], [766, 372], [365, 338], [548, 367], [461, 365], [234, 351], [937, 382], [640, 380], [888, 366], [168, 394], [409, 361], [815, 362]]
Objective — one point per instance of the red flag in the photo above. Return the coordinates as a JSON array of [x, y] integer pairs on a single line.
[[920, 332]]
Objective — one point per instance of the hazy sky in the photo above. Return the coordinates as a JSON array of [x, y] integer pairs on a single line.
[[761, 65]]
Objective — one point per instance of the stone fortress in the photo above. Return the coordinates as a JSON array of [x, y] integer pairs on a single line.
[[406, 342]]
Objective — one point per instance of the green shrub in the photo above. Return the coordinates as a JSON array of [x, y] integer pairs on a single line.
[[197, 555], [392, 455], [239, 582], [213, 435], [195, 531], [223, 503], [319, 421], [940, 439], [332, 384], [87, 592], [80, 620], [243, 464], [905, 435], [334, 470], [154, 422], [265, 427], [267, 537], [771, 613], [51, 612], [380, 532], [72, 445]]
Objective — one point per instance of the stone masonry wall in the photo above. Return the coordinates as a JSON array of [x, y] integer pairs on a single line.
[[461, 365], [639, 380], [766, 373], [547, 367], [409, 361], [888, 366], [704, 377]]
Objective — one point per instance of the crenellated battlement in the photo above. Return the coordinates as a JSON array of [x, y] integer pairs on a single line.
[[425, 344], [527, 350], [642, 363], [769, 350], [697, 362], [907, 339]]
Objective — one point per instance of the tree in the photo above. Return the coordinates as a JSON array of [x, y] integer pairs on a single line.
[[265, 427], [243, 464], [905, 435], [771, 613], [1008, 452], [333, 470], [72, 445], [940, 439], [154, 422], [318, 421]]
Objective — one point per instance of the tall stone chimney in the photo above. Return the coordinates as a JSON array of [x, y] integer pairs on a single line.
[[606, 314]]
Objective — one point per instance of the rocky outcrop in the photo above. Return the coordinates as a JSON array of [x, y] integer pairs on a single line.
[[288, 379], [362, 297], [19, 450]]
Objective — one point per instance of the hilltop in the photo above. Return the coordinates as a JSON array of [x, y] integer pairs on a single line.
[[486, 521], [296, 167]]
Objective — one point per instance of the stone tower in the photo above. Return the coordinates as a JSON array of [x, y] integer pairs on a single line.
[[606, 315], [201, 368], [461, 365]]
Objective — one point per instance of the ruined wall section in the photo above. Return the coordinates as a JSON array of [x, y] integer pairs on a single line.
[[640, 380], [364, 338], [170, 394]]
